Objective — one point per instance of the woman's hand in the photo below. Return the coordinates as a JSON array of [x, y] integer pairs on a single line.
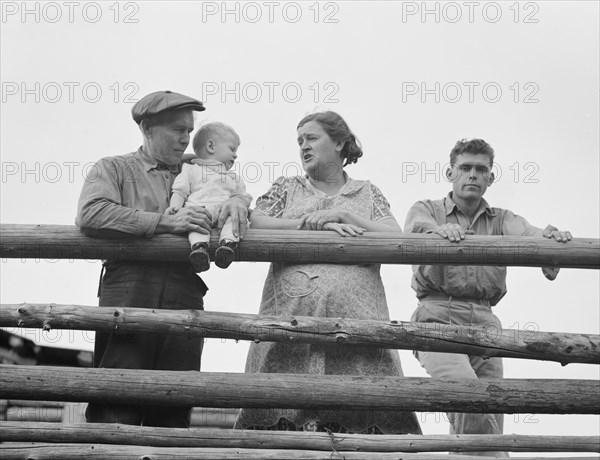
[[317, 219], [344, 229]]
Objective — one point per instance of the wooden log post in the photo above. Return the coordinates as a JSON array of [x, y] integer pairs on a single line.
[[3, 410], [190, 388], [53, 242], [488, 342], [109, 433]]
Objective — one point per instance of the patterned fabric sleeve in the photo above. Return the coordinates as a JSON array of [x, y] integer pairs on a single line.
[[381, 206], [273, 202]]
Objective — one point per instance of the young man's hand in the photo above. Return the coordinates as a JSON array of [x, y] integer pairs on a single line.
[[550, 272], [562, 237], [452, 232], [552, 232]]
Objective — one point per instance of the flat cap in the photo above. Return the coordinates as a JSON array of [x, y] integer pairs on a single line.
[[163, 101]]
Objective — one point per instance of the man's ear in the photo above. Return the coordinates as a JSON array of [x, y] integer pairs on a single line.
[[449, 174], [340, 146], [491, 179], [146, 129]]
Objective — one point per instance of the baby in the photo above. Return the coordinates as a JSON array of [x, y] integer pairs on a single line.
[[209, 181]]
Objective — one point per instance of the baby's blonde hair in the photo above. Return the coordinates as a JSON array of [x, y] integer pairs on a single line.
[[211, 129]]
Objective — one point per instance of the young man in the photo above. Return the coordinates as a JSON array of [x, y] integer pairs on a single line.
[[128, 194], [464, 295]]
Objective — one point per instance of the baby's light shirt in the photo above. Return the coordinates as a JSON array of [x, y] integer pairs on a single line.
[[208, 182]]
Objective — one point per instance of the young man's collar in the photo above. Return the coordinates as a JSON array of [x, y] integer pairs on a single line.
[[450, 205]]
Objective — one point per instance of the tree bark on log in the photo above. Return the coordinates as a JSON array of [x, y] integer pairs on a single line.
[[115, 452], [487, 342], [53, 242], [109, 433], [190, 388]]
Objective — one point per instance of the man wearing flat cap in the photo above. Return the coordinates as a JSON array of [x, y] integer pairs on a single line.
[[128, 194]]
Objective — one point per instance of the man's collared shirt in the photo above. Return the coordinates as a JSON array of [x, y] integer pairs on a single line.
[[126, 193], [464, 281]]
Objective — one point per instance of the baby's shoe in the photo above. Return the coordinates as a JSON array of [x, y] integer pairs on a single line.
[[199, 257], [225, 253]]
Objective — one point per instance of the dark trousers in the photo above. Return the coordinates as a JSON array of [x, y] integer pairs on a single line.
[[147, 285]]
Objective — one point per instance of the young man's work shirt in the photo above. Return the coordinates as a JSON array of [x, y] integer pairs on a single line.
[[464, 281]]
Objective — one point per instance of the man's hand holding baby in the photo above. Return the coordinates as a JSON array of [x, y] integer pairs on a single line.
[[185, 220]]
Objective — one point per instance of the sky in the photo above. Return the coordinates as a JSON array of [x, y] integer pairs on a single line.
[[410, 78]]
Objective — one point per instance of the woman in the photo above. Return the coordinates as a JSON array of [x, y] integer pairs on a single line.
[[325, 199]]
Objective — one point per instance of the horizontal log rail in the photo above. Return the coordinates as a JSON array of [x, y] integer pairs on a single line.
[[53, 411], [53, 242], [24, 403], [117, 452], [488, 342], [108, 433], [207, 389]]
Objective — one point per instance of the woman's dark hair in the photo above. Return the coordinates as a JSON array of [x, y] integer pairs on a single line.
[[338, 130]]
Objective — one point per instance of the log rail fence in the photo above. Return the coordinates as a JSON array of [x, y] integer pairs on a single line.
[[47, 440]]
